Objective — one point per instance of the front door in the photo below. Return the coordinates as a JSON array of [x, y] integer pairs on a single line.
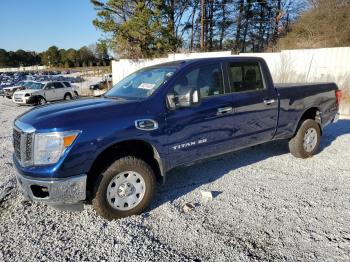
[[59, 90], [50, 92], [205, 129]]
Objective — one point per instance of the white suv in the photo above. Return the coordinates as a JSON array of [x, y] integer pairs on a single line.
[[41, 92]]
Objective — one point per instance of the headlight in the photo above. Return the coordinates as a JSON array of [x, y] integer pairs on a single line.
[[27, 95], [49, 147]]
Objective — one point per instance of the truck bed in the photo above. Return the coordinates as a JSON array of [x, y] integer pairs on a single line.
[[295, 99]]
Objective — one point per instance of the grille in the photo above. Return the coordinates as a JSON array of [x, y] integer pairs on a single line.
[[23, 146], [18, 96], [17, 144]]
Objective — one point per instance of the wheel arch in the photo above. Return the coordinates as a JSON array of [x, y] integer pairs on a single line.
[[135, 147], [310, 113], [69, 94]]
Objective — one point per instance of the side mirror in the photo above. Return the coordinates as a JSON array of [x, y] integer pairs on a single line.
[[189, 98]]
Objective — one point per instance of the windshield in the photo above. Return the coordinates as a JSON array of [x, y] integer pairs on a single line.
[[28, 84], [35, 86], [142, 83]]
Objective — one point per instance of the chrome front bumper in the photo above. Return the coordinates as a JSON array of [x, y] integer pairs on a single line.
[[63, 191]]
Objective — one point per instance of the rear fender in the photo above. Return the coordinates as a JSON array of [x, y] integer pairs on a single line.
[[305, 115]]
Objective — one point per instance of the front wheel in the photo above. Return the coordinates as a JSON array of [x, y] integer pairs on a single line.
[[41, 101], [126, 188], [307, 140], [67, 97]]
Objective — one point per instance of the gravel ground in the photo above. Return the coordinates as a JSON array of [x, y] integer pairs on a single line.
[[268, 205]]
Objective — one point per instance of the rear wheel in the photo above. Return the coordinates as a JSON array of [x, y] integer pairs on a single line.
[[126, 188], [307, 140]]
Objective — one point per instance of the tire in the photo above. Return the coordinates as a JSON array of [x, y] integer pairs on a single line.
[[303, 144], [67, 97], [41, 101], [76, 95], [104, 191]]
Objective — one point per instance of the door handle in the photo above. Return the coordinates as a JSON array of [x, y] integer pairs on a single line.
[[225, 110], [269, 101]]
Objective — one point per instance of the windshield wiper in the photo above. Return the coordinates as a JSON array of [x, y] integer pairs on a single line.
[[114, 97]]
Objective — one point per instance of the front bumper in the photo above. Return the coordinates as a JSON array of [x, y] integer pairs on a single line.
[[21, 100], [63, 191], [336, 118]]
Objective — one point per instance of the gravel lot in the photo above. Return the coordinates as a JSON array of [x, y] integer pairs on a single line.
[[267, 206]]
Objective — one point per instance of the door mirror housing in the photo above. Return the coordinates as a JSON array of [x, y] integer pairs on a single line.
[[187, 99]]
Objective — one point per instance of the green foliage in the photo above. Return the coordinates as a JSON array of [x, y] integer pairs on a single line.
[[137, 29], [51, 57], [145, 29], [55, 57], [18, 58], [325, 25]]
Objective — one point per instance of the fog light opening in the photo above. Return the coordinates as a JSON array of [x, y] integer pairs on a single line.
[[40, 191]]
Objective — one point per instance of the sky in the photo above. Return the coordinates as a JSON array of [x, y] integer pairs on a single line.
[[35, 25]]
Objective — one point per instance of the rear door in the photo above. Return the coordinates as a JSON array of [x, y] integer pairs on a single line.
[[255, 104], [205, 129]]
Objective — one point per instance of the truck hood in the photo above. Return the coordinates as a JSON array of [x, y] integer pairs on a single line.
[[77, 115], [10, 88]]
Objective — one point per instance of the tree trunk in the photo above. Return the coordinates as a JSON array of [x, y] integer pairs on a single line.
[[223, 23], [277, 19], [203, 25], [194, 10], [246, 27], [239, 26]]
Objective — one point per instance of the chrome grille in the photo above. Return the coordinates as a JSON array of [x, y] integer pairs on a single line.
[[23, 146], [28, 147], [17, 143]]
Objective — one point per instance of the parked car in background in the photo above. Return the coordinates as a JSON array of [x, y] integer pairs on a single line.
[[40, 93], [99, 88], [9, 91]]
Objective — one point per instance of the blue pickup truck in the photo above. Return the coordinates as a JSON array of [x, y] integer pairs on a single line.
[[110, 151]]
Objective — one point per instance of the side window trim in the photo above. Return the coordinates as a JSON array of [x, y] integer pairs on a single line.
[[58, 85], [196, 66], [262, 76], [228, 89], [224, 84]]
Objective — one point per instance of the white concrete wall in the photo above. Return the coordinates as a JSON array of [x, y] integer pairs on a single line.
[[124, 67], [288, 66], [26, 68], [310, 65]]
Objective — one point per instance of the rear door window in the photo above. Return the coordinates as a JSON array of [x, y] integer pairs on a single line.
[[50, 86], [67, 84], [245, 76], [58, 85]]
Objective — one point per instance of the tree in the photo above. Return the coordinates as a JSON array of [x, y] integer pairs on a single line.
[[51, 57], [138, 29], [326, 24], [3, 58], [72, 57]]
